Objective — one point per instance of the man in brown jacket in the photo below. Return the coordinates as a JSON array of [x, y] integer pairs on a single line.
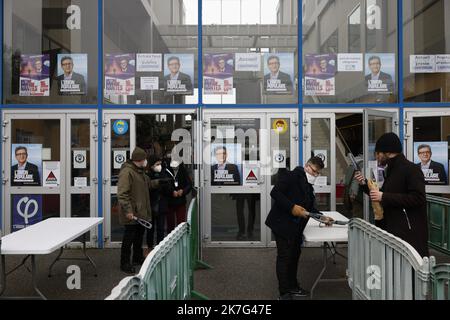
[[134, 200]]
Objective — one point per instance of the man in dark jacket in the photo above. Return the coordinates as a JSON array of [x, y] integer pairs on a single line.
[[294, 198], [158, 200], [134, 200], [402, 196], [181, 185]]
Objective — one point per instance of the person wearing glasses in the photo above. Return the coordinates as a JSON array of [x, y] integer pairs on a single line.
[[24, 173], [293, 197], [433, 171], [276, 80], [70, 82]]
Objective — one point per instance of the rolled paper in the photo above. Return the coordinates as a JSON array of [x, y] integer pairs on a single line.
[[376, 205]]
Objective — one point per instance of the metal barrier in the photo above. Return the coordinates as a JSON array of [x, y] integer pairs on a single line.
[[439, 223], [382, 266], [440, 276], [167, 272]]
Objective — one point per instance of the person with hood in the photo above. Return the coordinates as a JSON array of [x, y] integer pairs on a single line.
[[402, 195], [158, 200], [134, 201], [293, 197], [180, 185]]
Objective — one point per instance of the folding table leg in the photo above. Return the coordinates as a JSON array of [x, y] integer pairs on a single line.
[[87, 257], [54, 261], [325, 258], [2, 275], [33, 277]]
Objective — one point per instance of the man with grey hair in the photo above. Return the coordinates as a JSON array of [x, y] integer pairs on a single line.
[[276, 81], [434, 172]]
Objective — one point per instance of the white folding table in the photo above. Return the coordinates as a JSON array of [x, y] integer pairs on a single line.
[[42, 238], [328, 237]]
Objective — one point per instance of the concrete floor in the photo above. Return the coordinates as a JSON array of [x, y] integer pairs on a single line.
[[240, 274]]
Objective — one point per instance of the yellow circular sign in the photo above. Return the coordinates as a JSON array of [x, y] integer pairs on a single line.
[[280, 126]]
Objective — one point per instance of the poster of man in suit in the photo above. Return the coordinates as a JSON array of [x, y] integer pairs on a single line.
[[26, 161], [380, 72], [432, 158], [178, 73], [226, 167], [278, 73], [72, 74]]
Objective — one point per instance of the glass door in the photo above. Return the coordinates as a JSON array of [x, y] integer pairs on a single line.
[[81, 182], [234, 175], [119, 137], [375, 124], [320, 140]]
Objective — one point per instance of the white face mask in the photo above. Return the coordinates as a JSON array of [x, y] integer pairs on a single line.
[[311, 178], [145, 163], [174, 164], [157, 168]]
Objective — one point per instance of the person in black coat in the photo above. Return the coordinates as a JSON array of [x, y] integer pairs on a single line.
[[402, 195], [180, 186], [293, 197], [434, 172], [158, 199]]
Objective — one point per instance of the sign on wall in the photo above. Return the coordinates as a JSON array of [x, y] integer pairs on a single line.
[[26, 210]]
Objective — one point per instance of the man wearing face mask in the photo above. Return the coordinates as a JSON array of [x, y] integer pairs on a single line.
[[181, 185], [158, 200], [134, 201], [402, 196], [293, 197]]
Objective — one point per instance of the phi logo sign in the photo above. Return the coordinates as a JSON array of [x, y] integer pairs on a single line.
[[30, 209]]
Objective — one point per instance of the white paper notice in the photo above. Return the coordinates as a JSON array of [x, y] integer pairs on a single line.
[[443, 63], [321, 181], [80, 182], [225, 132], [149, 62], [149, 83], [120, 156], [422, 63], [350, 62], [79, 159], [46, 154], [51, 173], [247, 62]]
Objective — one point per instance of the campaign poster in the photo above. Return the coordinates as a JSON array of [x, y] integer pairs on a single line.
[[52, 174], [443, 63], [320, 74], [251, 176], [72, 74], [149, 62], [422, 63], [432, 158], [380, 72], [278, 73], [34, 75], [226, 164], [26, 164], [248, 62], [26, 210], [120, 70], [218, 71], [178, 73]]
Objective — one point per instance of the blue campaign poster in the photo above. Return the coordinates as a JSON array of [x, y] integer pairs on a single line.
[[26, 210]]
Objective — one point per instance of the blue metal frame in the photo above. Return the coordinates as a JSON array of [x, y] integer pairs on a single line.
[[300, 106]]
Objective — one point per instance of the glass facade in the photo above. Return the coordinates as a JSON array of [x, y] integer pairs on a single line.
[[161, 56]]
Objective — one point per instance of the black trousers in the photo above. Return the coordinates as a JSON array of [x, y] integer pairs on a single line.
[[288, 254], [132, 237], [251, 202], [158, 224]]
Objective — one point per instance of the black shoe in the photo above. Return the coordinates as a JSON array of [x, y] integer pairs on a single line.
[[300, 292], [240, 237], [138, 262], [128, 268], [286, 296]]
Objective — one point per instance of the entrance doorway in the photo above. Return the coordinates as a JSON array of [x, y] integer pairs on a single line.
[[243, 154], [333, 134], [58, 175], [155, 131]]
